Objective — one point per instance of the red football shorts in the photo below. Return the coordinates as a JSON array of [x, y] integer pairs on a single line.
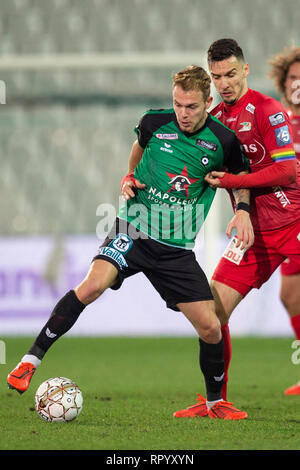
[[289, 268], [269, 250]]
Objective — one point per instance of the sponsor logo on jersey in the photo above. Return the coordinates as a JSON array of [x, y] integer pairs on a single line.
[[122, 242], [251, 108], [181, 183], [218, 115], [167, 136], [246, 126], [113, 254], [284, 201], [166, 148], [160, 197], [257, 150], [277, 118], [207, 145], [282, 136]]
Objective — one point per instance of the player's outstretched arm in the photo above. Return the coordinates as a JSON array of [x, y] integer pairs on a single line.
[[278, 174], [129, 182]]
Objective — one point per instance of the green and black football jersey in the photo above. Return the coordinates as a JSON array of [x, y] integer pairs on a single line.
[[176, 199]]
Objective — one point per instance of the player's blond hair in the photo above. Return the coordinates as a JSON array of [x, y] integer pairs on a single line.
[[193, 78], [280, 65]]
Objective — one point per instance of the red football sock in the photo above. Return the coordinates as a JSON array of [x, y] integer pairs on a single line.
[[295, 322], [227, 357]]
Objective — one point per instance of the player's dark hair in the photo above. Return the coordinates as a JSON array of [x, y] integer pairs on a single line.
[[193, 77], [223, 49]]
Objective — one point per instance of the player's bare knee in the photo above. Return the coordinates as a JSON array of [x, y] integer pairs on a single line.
[[284, 297], [211, 333], [100, 276], [291, 301], [89, 290], [219, 307], [226, 299]]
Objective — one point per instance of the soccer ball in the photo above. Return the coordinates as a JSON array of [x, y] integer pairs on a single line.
[[58, 399]]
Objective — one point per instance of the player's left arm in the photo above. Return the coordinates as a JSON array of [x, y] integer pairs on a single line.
[[278, 142], [282, 174]]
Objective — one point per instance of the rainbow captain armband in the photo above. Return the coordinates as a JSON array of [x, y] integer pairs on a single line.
[[283, 155]]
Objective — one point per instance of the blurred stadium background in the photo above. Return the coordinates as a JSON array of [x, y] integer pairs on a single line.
[[78, 76]]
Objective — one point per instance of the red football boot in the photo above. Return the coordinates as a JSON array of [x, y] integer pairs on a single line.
[[19, 378], [199, 409]]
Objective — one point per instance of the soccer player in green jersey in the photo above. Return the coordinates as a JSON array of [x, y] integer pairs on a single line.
[[166, 201]]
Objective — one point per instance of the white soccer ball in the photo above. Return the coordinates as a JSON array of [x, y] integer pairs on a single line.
[[58, 399]]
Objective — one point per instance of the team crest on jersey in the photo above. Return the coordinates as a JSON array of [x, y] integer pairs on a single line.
[[122, 242], [181, 183], [246, 126]]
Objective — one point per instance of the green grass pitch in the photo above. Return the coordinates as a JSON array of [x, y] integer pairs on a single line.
[[132, 386]]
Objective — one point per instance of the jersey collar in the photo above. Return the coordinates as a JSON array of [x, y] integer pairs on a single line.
[[191, 134], [236, 107]]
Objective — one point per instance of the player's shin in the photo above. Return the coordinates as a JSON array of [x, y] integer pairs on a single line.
[[211, 361], [227, 357], [63, 317]]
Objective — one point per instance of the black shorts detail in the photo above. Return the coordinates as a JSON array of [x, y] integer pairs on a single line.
[[173, 272]]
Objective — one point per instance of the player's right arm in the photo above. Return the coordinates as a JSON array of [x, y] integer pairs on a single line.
[[128, 183], [237, 164]]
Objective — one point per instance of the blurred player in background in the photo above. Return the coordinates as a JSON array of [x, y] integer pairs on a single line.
[[168, 162], [262, 126], [285, 70]]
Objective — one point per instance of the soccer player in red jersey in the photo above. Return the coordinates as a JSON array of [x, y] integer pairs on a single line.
[[285, 70], [263, 128]]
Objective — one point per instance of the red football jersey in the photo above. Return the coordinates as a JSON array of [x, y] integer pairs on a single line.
[[263, 127], [295, 123]]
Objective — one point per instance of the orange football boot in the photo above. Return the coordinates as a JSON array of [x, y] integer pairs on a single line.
[[293, 390], [19, 378], [225, 410], [199, 409]]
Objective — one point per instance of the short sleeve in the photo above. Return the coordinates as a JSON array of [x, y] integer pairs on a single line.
[[235, 160], [143, 132]]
